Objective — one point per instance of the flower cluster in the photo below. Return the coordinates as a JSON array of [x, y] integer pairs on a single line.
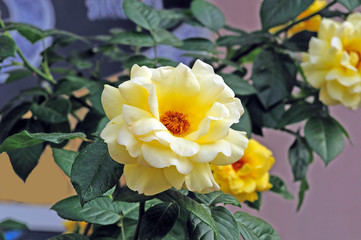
[[168, 124], [333, 63], [249, 175]]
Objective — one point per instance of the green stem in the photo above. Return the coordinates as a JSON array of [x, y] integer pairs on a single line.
[[87, 229], [303, 19], [141, 213], [26, 62], [122, 227]]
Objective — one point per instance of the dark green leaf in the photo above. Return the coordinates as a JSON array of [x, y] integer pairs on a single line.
[[142, 14], [273, 76], [162, 36], [130, 210], [127, 195], [254, 228], [228, 41], [192, 206], [93, 122], [197, 44], [2, 237], [138, 59], [26, 139], [101, 210], [213, 198], [71, 84], [69, 236], [278, 12], [17, 74], [238, 85], [297, 113], [30, 32], [8, 47], [24, 160], [324, 137], [279, 187], [64, 159], [345, 133], [300, 156], [10, 224], [198, 230], [299, 41], [53, 111], [170, 18], [226, 223], [208, 14], [94, 172], [301, 194], [244, 124], [257, 203], [158, 220], [132, 39], [63, 33], [350, 4]]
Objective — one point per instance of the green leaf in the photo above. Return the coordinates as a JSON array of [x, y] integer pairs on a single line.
[[63, 33], [273, 76], [226, 223], [8, 47], [300, 156], [198, 229], [70, 236], [324, 137], [301, 194], [162, 36], [94, 172], [53, 111], [228, 41], [26, 139], [192, 206], [213, 198], [279, 187], [208, 14], [24, 160], [158, 220], [93, 122], [10, 224], [2, 237], [30, 32], [278, 12], [299, 41], [170, 18], [133, 39], [350, 4], [127, 195], [64, 159], [238, 85], [244, 124], [254, 228], [298, 112], [101, 210], [197, 44], [130, 210], [17, 74], [141, 14], [71, 84]]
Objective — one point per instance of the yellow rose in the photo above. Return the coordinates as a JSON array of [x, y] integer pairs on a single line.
[[168, 124], [311, 24], [249, 175], [333, 62], [75, 227]]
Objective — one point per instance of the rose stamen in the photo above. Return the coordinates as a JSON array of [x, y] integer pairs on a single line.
[[176, 122]]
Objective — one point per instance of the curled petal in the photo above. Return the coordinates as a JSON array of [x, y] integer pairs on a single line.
[[112, 101], [201, 179]]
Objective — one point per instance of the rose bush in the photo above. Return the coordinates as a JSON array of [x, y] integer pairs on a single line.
[[168, 124], [249, 175], [333, 64]]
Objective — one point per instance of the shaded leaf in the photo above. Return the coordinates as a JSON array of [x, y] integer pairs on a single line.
[[11, 224], [300, 156], [125, 194], [350, 4], [142, 14], [8, 47], [208, 14], [197, 44], [132, 39], [162, 36], [198, 229], [64, 159], [279, 187], [244, 124], [30, 32], [238, 85], [299, 41], [216, 197], [301, 194], [226, 223], [53, 111], [94, 172]]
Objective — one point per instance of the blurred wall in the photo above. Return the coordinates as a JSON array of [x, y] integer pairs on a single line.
[[332, 206]]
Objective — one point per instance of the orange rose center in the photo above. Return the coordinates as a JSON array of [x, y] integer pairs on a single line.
[[176, 122], [238, 165]]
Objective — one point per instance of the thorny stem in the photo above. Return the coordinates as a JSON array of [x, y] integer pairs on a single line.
[[141, 213]]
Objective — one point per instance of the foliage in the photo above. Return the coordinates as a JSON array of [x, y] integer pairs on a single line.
[[275, 95]]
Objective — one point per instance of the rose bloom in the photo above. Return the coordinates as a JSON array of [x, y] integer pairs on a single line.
[[312, 24], [75, 227], [168, 124], [333, 62], [249, 175]]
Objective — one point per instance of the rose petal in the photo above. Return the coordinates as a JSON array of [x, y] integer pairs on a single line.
[[112, 101], [201, 179]]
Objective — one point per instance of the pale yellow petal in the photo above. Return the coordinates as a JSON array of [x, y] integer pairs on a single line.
[[126, 139], [184, 147], [112, 101], [149, 181], [175, 178], [200, 179], [144, 72], [209, 151], [134, 94]]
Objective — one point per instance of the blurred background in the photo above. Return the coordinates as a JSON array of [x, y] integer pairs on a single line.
[[331, 209]]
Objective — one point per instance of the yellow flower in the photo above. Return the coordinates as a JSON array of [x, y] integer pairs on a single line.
[[74, 227], [311, 24], [249, 175], [168, 124], [333, 62]]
